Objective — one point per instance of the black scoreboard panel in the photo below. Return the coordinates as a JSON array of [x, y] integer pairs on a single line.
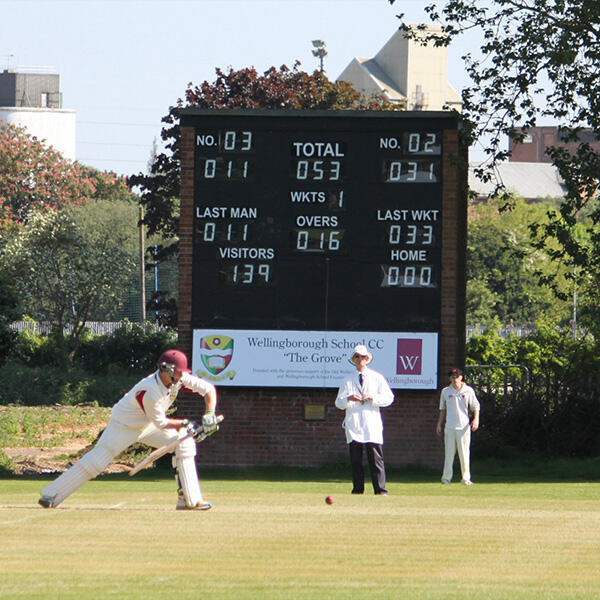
[[317, 221]]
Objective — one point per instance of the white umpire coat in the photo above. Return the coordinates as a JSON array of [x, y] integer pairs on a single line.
[[363, 420], [148, 400]]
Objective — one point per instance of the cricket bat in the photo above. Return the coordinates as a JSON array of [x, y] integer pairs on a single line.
[[168, 448]]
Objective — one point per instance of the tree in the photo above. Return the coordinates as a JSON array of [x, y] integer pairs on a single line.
[[33, 176], [281, 88], [502, 262], [68, 264], [538, 59]]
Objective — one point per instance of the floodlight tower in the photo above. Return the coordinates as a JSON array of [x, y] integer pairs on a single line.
[[320, 52]]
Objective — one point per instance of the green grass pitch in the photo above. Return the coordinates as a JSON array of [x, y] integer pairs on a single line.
[[270, 537]]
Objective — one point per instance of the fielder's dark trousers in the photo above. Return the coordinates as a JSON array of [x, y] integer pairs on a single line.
[[376, 466]]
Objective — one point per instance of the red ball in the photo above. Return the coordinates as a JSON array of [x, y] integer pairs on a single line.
[[329, 499]]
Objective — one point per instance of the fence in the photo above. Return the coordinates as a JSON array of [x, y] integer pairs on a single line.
[[95, 327]]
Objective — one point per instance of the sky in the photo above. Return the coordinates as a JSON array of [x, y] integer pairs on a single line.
[[123, 63]]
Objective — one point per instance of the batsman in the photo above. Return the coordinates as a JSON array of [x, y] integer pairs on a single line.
[[140, 416]]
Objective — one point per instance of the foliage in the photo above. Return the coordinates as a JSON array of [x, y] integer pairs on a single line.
[[34, 385], [538, 59], [282, 88], [33, 176], [8, 313], [132, 348], [68, 265], [548, 405], [502, 267]]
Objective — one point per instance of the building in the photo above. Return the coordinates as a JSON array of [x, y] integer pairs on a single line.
[[31, 98], [528, 180], [406, 72], [538, 139]]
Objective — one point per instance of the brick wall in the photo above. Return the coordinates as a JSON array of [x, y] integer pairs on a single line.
[[267, 426]]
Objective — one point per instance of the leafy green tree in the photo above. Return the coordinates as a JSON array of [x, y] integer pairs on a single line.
[[538, 59], [502, 266], [70, 264]]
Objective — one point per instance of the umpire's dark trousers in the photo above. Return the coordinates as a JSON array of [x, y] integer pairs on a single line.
[[376, 466]]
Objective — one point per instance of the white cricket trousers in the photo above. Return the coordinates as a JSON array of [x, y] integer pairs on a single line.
[[116, 438], [457, 440]]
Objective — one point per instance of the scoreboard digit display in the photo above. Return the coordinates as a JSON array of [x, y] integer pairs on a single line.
[[313, 231]]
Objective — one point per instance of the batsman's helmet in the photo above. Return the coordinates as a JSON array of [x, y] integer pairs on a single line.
[[173, 360]]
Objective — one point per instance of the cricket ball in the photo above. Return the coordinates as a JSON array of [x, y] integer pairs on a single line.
[[329, 499]]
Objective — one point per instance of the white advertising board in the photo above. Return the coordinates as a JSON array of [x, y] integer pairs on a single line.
[[313, 359]]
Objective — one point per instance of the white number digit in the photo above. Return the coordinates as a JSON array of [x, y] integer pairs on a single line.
[[425, 276], [431, 137], [229, 140], [414, 142], [246, 140], [409, 276], [411, 238], [302, 169], [210, 168], [334, 171], [209, 232], [248, 274], [395, 171], [427, 234], [395, 234], [412, 171], [318, 170], [334, 242], [265, 272], [302, 240], [393, 276]]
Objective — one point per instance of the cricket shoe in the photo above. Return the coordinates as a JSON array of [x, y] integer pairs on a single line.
[[202, 505], [47, 501]]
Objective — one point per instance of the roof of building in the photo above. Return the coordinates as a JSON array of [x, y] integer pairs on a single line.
[[406, 71], [527, 180]]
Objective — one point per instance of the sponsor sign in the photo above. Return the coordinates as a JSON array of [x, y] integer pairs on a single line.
[[313, 359]]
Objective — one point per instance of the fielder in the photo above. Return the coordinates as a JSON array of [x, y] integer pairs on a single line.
[[140, 416], [457, 401]]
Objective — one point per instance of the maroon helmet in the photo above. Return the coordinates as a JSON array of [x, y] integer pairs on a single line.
[[173, 360]]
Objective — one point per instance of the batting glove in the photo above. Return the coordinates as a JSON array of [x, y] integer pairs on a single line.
[[209, 422]]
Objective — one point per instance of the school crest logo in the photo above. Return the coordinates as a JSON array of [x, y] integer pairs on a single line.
[[216, 352]]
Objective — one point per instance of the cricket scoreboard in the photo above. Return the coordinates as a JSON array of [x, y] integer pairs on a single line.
[[314, 231]]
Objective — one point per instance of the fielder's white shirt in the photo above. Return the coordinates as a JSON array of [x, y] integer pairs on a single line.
[[458, 404], [149, 400], [363, 420]]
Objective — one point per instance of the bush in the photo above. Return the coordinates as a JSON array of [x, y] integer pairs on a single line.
[[555, 411], [27, 385], [132, 347]]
